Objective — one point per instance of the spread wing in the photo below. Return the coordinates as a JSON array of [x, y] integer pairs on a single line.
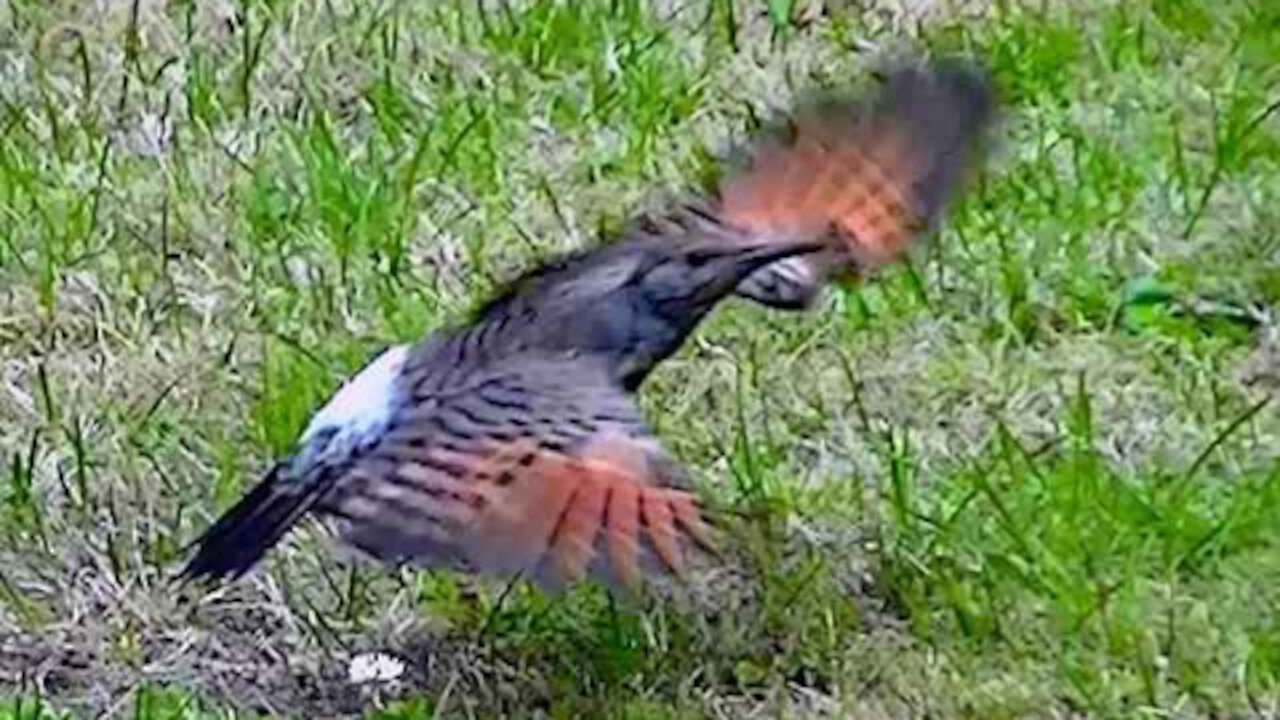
[[538, 466], [873, 174]]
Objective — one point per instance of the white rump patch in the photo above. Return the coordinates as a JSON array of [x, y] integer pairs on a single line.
[[361, 409]]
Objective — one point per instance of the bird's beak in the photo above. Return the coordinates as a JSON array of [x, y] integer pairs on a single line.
[[736, 263], [753, 259]]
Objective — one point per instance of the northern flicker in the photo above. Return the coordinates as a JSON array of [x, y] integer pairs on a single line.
[[513, 444]]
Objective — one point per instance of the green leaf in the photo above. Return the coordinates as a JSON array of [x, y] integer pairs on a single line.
[[1147, 290], [780, 14]]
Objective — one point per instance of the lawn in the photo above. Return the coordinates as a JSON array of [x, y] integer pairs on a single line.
[[1030, 473]]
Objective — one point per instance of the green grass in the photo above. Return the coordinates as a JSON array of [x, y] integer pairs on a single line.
[[1032, 473]]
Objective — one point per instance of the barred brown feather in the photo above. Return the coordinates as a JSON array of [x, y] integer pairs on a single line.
[[871, 175]]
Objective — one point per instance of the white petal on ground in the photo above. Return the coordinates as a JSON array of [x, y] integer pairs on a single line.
[[374, 667]]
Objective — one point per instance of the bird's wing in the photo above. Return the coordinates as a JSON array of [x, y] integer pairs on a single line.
[[874, 173], [538, 466]]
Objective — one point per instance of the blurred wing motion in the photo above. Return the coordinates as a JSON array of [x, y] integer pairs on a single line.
[[513, 444], [871, 175], [539, 466], [554, 518], [543, 468]]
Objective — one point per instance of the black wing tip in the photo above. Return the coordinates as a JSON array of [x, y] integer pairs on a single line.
[[244, 534], [918, 88], [947, 105], [209, 566], [943, 96], [945, 99]]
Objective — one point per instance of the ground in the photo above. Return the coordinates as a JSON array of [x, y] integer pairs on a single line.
[[1032, 472]]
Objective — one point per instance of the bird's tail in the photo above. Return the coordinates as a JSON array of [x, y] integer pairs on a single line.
[[871, 175], [239, 539]]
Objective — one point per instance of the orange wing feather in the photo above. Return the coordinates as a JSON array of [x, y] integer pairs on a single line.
[[556, 514], [872, 174]]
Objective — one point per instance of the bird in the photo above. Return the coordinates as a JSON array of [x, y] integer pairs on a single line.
[[511, 444]]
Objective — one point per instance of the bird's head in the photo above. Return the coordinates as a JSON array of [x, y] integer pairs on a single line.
[[631, 303], [683, 282]]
